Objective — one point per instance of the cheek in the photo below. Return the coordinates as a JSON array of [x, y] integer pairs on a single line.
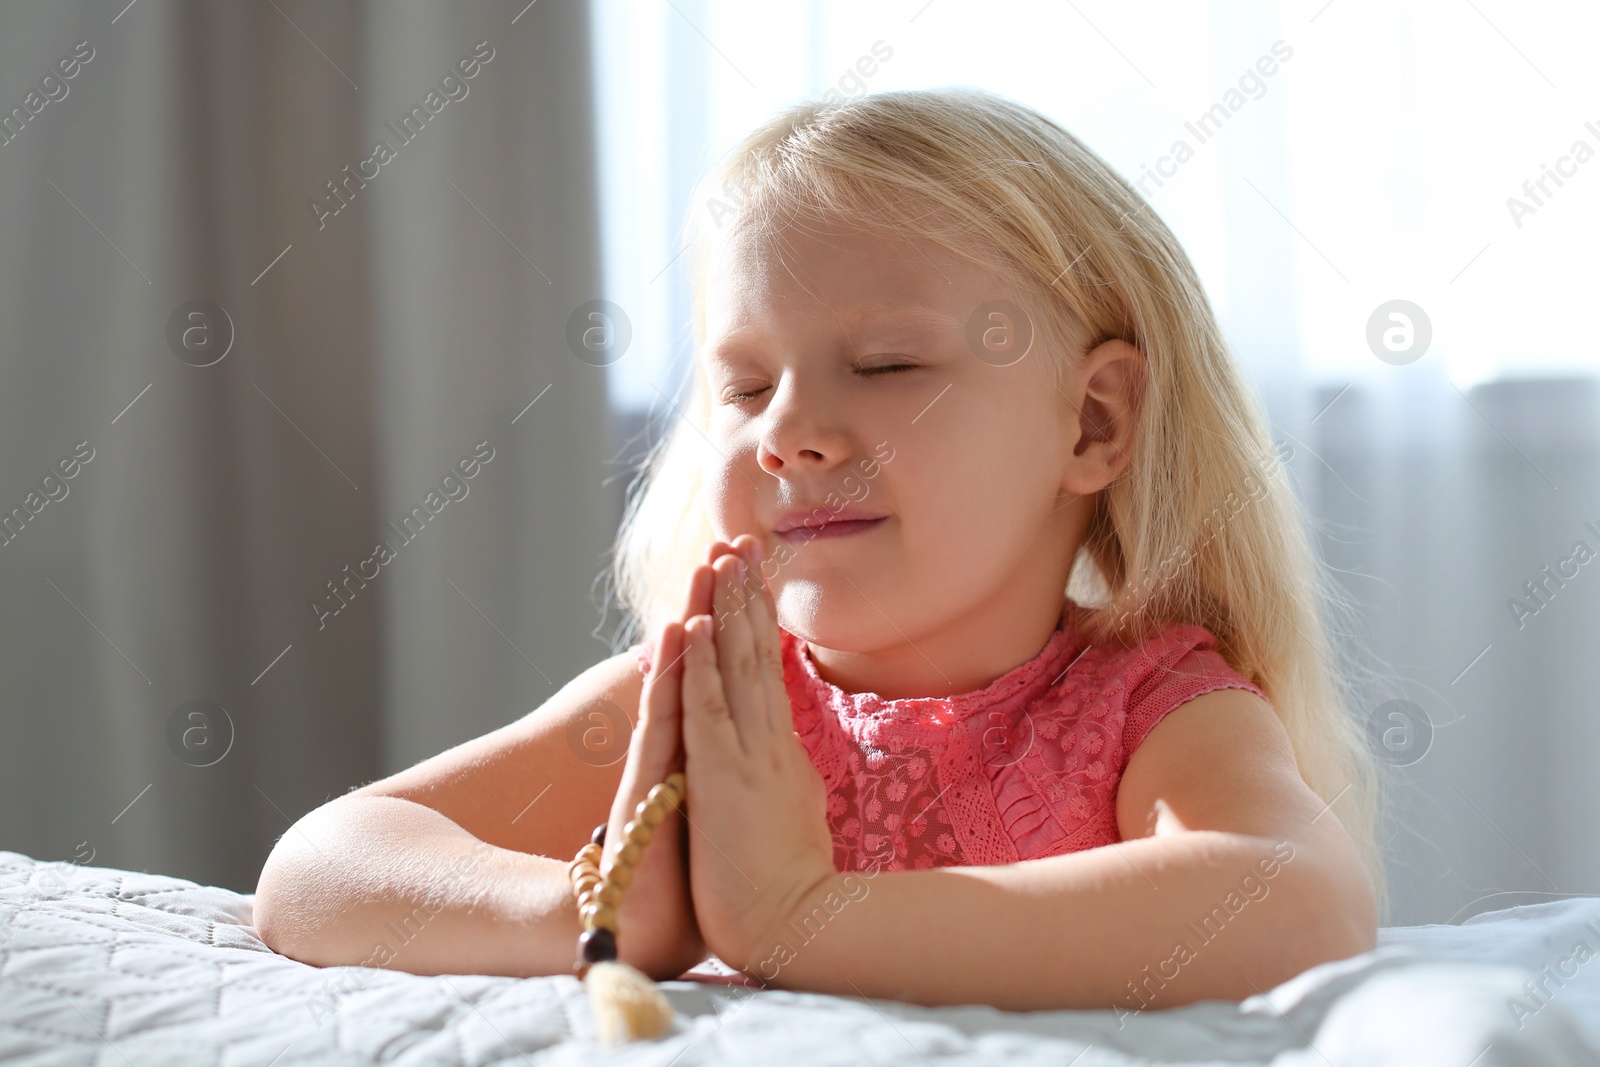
[[729, 496], [975, 489]]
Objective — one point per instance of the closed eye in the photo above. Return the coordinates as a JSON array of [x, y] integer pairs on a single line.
[[865, 372], [888, 368]]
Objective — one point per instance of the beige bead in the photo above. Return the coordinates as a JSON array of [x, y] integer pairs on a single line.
[[602, 917], [599, 875]]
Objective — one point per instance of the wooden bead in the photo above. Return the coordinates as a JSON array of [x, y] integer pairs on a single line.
[[597, 946], [602, 917], [599, 876]]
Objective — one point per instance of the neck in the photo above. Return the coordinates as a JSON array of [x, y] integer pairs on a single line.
[[968, 654]]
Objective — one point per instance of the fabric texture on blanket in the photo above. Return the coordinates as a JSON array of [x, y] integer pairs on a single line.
[[100, 966]]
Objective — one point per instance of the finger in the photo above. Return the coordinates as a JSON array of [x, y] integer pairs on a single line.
[[736, 653], [702, 581], [661, 723], [709, 738], [656, 749], [768, 644], [698, 599]]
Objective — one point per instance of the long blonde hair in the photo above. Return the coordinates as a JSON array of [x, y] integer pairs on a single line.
[[1201, 527]]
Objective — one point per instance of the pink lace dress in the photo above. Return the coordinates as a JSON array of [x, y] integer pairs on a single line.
[[1026, 767]]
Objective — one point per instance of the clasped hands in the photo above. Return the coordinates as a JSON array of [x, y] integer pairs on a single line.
[[753, 844]]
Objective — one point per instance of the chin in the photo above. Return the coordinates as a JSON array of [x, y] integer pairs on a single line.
[[831, 616]]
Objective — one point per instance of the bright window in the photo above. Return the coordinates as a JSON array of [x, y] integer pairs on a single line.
[[1377, 161]]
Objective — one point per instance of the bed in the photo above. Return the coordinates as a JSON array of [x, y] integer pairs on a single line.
[[102, 966]]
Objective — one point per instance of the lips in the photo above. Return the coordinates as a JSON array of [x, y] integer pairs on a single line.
[[799, 526]]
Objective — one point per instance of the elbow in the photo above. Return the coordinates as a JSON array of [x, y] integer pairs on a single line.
[[278, 913], [1334, 917], [1353, 928], [294, 911]]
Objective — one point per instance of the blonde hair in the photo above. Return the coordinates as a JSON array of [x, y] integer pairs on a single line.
[[1002, 185]]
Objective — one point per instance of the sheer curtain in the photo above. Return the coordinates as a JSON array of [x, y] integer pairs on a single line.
[[261, 347], [1337, 158]]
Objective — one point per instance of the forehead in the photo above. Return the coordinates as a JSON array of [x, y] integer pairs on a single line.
[[848, 278]]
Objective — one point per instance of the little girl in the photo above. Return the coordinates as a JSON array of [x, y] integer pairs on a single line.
[[984, 628]]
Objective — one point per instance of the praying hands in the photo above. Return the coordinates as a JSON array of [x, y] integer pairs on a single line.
[[753, 844]]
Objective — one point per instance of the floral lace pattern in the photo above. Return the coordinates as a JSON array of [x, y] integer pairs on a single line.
[[1026, 767]]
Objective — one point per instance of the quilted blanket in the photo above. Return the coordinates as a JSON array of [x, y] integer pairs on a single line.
[[101, 966]]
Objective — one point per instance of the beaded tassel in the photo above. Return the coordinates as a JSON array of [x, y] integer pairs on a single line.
[[627, 1004]]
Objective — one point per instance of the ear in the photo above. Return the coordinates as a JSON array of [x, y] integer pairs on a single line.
[[1104, 393]]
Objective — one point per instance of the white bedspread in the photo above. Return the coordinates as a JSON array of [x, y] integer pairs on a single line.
[[100, 966]]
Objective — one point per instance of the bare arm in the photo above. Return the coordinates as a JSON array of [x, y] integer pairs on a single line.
[[458, 864], [1233, 877], [378, 881]]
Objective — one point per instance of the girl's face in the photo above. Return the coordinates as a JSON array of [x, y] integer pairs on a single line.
[[845, 390]]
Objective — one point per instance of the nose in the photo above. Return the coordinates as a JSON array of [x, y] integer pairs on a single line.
[[800, 431]]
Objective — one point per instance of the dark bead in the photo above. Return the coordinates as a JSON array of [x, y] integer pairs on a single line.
[[596, 946], [599, 836]]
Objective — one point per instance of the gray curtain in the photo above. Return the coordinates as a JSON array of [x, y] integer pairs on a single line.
[[174, 698], [1440, 506]]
